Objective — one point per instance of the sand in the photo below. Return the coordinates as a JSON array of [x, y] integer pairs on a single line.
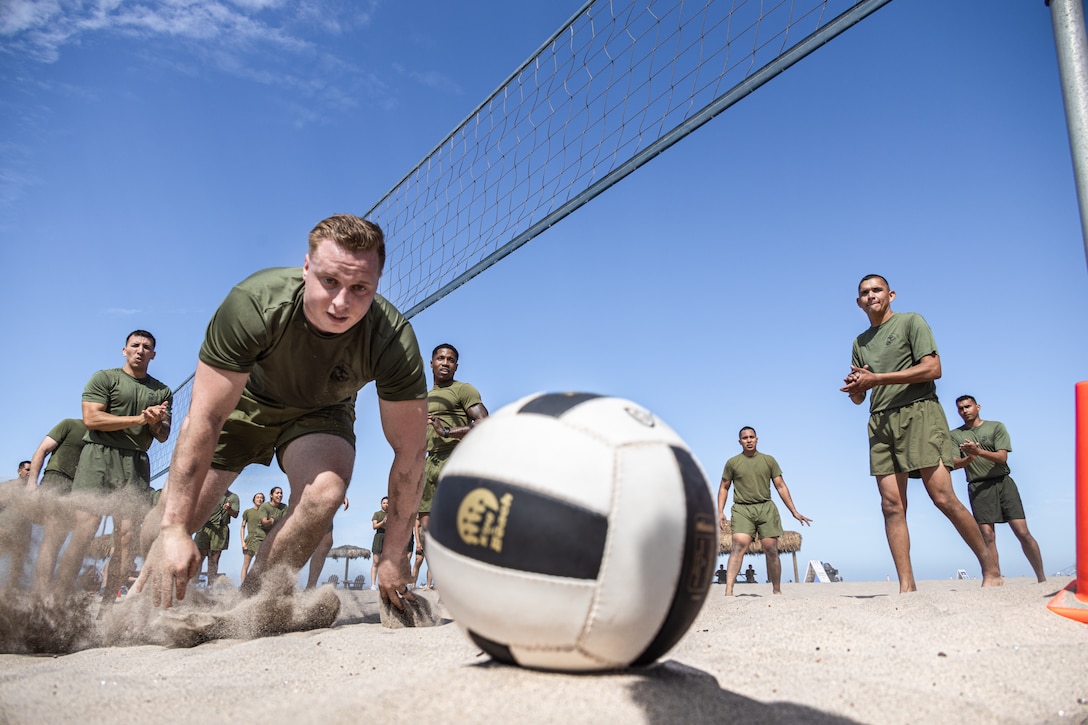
[[820, 653]]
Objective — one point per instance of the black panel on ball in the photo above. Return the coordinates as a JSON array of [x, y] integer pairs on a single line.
[[556, 404], [697, 567], [511, 527], [497, 651]]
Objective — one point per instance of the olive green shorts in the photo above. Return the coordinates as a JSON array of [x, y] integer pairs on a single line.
[[995, 500], [432, 468], [255, 433], [56, 483], [212, 538], [253, 545], [908, 439], [758, 520], [104, 469]]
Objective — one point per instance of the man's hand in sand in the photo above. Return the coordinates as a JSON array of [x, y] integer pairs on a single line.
[[394, 578], [172, 561]]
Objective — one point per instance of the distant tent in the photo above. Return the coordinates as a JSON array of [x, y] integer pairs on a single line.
[[816, 572]]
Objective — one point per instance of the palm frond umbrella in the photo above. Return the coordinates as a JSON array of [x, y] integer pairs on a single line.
[[788, 543], [347, 552]]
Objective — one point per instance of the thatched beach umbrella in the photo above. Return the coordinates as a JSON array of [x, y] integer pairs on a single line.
[[347, 552], [788, 543]]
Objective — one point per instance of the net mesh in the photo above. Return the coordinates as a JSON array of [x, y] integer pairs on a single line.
[[618, 84]]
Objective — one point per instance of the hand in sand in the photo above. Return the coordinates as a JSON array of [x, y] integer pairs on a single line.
[[394, 577], [172, 561]]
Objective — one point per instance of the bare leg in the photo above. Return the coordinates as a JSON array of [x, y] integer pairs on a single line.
[[71, 561], [893, 504], [938, 483], [421, 535], [121, 561], [989, 537], [1030, 547], [774, 564], [247, 559], [199, 567], [317, 561], [213, 566], [56, 531], [736, 558], [318, 468], [374, 571]]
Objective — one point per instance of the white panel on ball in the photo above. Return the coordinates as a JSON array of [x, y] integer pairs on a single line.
[[637, 582], [546, 467], [508, 603]]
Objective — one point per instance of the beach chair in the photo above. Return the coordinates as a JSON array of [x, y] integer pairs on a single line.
[[359, 583], [334, 580]]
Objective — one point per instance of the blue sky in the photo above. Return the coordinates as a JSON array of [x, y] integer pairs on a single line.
[[153, 154]]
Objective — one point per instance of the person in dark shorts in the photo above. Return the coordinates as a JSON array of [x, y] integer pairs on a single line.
[[63, 444], [754, 514], [277, 377], [125, 411], [251, 532], [896, 359], [984, 447], [214, 536]]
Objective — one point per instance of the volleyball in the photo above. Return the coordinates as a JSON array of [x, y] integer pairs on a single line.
[[573, 532]]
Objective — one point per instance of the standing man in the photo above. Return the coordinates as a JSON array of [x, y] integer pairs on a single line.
[[754, 513], [282, 361], [896, 358], [984, 446], [453, 407], [214, 536], [63, 444], [124, 409]]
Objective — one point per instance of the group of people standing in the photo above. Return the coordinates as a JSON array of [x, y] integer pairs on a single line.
[[895, 364], [97, 466]]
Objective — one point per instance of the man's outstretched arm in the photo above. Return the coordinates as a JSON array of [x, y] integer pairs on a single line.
[[404, 425], [173, 558]]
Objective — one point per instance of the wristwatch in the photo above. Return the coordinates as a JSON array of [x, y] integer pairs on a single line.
[[446, 431]]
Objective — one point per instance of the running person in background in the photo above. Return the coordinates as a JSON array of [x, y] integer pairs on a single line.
[[214, 536], [283, 360], [985, 446], [63, 444], [251, 532], [125, 410], [896, 358], [453, 407]]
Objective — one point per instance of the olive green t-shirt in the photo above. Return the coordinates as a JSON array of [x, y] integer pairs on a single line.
[[269, 510], [124, 395], [251, 519], [220, 517], [751, 477], [897, 344], [990, 436], [69, 435], [261, 329], [449, 404]]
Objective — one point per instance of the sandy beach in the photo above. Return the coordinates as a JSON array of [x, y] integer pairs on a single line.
[[820, 653]]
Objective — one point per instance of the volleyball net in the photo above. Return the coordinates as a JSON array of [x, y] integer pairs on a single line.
[[614, 87]]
